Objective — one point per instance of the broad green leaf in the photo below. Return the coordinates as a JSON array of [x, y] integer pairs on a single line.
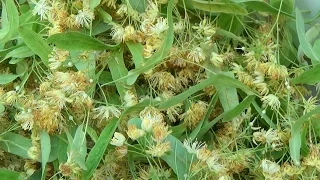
[[316, 47], [6, 174], [212, 104], [232, 113], [99, 27], [106, 18], [286, 6], [92, 133], [15, 144], [219, 7], [36, 43], [78, 41], [228, 96], [88, 65], [93, 4], [45, 151], [304, 44], [118, 71], [136, 50], [178, 158], [160, 54], [62, 149], [79, 148], [7, 78], [311, 76], [99, 148], [138, 5], [54, 141], [20, 52], [10, 21], [295, 140], [260, 5], [2, 108]]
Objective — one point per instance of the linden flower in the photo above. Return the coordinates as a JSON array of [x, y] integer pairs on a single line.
[[118, 139], [159, 149], [134, 133], [205, 28], [84, 18], [269, 167], [130, 99], [214, 165], [159, 27], [26, 120], [216, 59], [106, 112], [269, 137], [309, 104], [58, 98], [272, 101], [197, 55], [117, 33], [41, 8], [122, 10], [193, 147], [150, 116]]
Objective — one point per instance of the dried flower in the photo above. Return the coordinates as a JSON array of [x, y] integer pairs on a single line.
[[197, 55]]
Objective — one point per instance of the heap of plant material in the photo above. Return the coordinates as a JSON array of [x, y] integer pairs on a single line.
[[158, 89]]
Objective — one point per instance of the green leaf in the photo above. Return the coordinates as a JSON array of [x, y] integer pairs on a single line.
[[118, 71], [45, 151], [7, 78], [15, 144], [311, 76], [262, 6], [20, 52], [79, 148], [2, 108], [178, 158], [10, 21], [99, 148], [136, 50], [92, 133], [138, 5], [232, 113], [78, 41], [6, 174], [106, 18], [228, 95], [304, 44], [219, 7], [93, 4], [286, 6], [36, 43], [295, 140], [212, 104], [160, 54]]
